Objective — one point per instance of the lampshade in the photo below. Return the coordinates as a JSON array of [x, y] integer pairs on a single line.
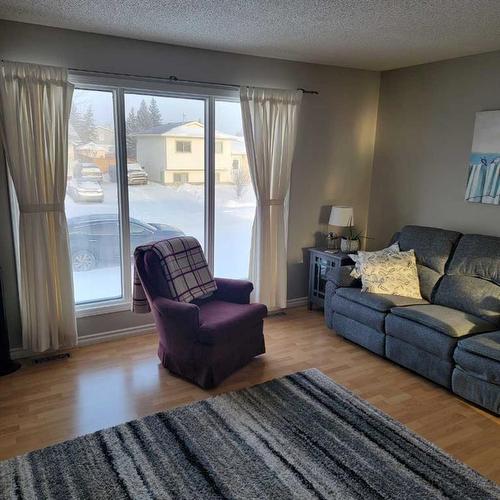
[[341, 216]]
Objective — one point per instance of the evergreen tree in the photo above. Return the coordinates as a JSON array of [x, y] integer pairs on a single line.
[[90, 131], [75, 119], [131, 130], [84, 124], [154, 113], [144, 121]]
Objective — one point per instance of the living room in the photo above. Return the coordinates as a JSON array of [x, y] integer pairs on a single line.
[[379, 112]]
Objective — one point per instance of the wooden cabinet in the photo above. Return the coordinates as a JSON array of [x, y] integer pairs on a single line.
[[320, 262]]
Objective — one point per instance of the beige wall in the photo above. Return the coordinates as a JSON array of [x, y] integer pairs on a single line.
[[424, 137], [334, 152]]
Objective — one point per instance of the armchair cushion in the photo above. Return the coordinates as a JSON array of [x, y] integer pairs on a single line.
[[220, 321]]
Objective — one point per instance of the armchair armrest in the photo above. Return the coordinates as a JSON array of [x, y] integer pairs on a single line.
[[236, 291], [183, 312], [177, 324]]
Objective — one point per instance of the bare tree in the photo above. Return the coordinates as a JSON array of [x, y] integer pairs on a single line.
[[241, 179]]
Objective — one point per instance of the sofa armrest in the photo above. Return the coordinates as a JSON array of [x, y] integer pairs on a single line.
[[236, 291], [338, 277], [341, 277]]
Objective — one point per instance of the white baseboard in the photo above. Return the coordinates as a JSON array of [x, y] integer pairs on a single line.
[[95, 338], [298, 302], [116, 334], [19, 352]]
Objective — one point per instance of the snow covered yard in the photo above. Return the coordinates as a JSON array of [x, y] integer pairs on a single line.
[[182, 207]]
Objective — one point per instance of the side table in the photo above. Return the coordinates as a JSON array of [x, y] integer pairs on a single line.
[[321, 261]]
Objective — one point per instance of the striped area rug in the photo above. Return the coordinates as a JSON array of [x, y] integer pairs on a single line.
[[301, 436]]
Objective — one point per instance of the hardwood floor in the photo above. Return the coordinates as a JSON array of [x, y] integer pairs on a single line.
[[109, 383]]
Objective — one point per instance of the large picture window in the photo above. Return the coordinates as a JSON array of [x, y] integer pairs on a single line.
[[128, 185], [92, 206]]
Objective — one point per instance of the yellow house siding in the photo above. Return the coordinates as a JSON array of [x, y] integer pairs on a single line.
[[166, 163], [185, 161], [224, 162]]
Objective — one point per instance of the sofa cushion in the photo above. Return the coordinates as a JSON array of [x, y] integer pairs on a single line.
[[435, 368], [451, 322], [473, 295], [472, 283], [433, 248], [486, 345], [483, 368], [421, 337], [428, 279], [477, 255], [478, 391], [220, 321], [379, 302], [359, 333], [362, 314]]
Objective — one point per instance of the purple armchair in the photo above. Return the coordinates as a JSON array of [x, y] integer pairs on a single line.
[[206, 340]]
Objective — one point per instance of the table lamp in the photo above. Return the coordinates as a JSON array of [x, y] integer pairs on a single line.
[[342, 216]]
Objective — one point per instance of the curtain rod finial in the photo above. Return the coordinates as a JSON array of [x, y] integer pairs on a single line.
[[304, 91]]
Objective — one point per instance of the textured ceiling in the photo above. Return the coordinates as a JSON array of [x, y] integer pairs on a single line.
[[369, 34]]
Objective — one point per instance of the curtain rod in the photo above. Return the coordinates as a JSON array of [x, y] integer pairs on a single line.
[[175, 79], [170, 79]]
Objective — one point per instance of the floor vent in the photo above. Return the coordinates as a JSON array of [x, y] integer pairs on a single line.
[[53, 357]]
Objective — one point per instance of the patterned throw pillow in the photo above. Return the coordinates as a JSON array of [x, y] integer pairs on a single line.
[[393, 274], [362, 257]]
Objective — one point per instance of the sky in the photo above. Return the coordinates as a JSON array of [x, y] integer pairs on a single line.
[[173, 109]]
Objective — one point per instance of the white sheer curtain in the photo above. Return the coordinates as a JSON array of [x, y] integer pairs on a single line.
[[35, 103], [270, 120]]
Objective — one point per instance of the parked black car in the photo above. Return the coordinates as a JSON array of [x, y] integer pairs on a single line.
[[95, 239]]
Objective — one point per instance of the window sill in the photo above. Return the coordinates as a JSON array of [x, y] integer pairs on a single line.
[[111, 306]]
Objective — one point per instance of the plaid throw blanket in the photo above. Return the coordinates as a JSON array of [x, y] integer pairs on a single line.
[[184, 267]]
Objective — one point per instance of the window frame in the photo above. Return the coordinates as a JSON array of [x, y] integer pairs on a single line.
[[119, 86]]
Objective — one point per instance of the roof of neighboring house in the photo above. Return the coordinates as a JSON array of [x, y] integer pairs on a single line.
[[93, 146], [183, 129]]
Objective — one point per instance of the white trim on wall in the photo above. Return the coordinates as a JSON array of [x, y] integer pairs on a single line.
[[132, 331], [298, 302], [95, 338]]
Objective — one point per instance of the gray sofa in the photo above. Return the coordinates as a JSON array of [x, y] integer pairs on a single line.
[[451, 335]]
